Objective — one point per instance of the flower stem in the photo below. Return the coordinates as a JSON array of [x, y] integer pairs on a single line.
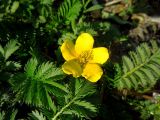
[[63, 108]]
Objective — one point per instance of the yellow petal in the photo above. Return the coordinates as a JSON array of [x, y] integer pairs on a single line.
[[92, 72], [100, 55], [72, 67], [68, 51], [84, 42]]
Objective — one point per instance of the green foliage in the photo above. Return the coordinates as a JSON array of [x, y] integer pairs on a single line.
[[141, 68], [35, 115], [27, 11], [7, 69], [74, 105], [6, 52], [11, 115], [69, 10], [149, 109], [9, 7], [92, 28], [35, 85], [39, 90], [93, 8], [2, 114], [10, 48]]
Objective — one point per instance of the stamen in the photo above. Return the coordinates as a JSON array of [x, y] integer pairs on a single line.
[[85, 56]]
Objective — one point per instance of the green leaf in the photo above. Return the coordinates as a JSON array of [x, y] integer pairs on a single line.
[[43, 70], [73, 104], [14, 7], [95, 7], [37, 83], [10, 48], [11, 65], [1, 50], [13, 115], [153, 67], [141, 68], [86, 105], [128, 64], [31, 66], [35, 115], [69, 10], [2, 115], [55, 84], [83, 88], [141, 54], [154, 46], [8, 115]]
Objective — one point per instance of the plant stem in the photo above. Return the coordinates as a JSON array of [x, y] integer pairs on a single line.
[[63, 108]]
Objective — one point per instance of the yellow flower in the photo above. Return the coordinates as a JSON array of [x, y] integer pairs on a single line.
[[83, 59]]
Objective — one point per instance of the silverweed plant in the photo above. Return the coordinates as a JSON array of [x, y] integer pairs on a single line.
[[79, 60]]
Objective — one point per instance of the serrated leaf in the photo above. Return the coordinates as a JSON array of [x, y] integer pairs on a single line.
[[31, 66], [55, 84], [37, 81], [141, 54], [136, 60], [154, 68], [154, 46], [69, 10], [73, 103], [11, 65], [146, 49], [127, 83], [134, 81], [54, 73], [127, 64], [83, 89], [30, 89], [70, 112], [37, 115], [43, 69], [86, 105], [148, 74], [140, 78], [142, 70], [10, 48]]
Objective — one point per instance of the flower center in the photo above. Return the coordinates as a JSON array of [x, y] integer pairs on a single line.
[[85, 56]]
